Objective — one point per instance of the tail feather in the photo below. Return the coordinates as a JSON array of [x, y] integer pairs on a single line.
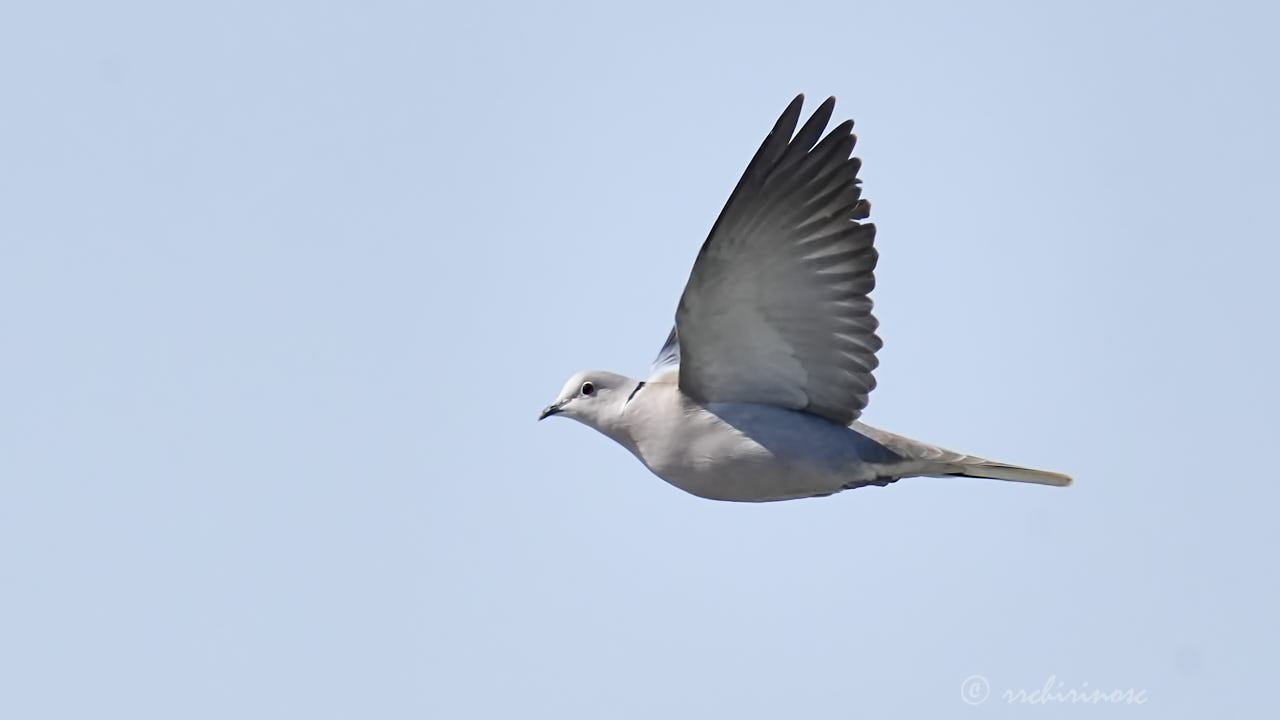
[[936, 461], [1016, 473]]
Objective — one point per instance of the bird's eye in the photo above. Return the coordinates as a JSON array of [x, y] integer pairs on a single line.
[[588, 388]]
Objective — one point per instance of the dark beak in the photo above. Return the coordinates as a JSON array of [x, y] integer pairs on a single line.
[[550, 410]]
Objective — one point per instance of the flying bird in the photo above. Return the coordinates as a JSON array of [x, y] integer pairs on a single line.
[[756, 394]]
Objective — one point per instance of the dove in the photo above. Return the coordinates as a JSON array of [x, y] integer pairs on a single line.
[[757, 392]]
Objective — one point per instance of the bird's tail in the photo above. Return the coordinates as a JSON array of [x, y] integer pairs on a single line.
[[1001, 471], [931, 460]]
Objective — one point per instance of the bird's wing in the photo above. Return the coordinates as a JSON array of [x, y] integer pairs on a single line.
[[668, 358], [776, 308]]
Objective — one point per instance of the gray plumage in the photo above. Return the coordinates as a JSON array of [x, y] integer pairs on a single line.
[[757, 391]]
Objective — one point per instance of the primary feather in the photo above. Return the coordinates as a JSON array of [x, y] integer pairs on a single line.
[[776, 309]]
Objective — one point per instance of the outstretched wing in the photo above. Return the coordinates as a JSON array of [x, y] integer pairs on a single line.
[[776, 308]]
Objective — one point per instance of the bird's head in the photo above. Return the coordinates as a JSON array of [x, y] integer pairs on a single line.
[[592, 397]]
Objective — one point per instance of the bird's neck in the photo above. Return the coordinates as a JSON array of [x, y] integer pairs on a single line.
[[631, 420], [614, 424]]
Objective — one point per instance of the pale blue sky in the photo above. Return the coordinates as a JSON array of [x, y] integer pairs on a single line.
[[283, 287]]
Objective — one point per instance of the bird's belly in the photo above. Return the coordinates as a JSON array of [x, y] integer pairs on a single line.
[[747, 457], [742, 480]]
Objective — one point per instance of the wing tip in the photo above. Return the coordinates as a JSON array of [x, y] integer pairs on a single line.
[[792, 111]]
